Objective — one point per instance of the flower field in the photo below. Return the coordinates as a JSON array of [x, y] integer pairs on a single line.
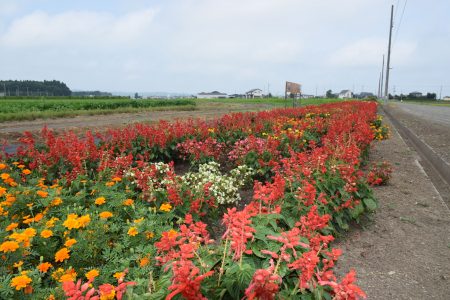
[[241, 207]]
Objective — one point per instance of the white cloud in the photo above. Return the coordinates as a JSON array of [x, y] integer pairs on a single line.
[[367, 52], [77, 28]]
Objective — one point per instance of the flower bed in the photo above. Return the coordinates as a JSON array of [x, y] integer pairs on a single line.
[[108, 217]]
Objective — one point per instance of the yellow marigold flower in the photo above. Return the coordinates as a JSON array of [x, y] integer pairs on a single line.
[[2, 166], [149, 235], [29, 232], [165, 207], [116, 179], [84, 220], [20, 282], [132, 231], [18, 264], [11, 226], [137, 221], [46, 233], [110, 183], [72, 222], [100, 200], [56, 202], [42, 194], [128, 202], [26, 172], [105, 214], [4, 176], [51, 223], [144, 261], [119, 275], [43, 267], [92, 274], [70, 242], [62, 255]]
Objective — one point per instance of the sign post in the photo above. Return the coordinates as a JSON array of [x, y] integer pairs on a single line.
[[294, 90]]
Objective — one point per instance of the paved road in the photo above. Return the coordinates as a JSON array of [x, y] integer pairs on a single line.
[[438, 114]]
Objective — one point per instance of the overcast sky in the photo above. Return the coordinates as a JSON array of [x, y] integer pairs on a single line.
[[227, 45]]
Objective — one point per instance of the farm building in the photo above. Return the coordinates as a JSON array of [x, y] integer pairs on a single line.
[[345, 94], [446, 98], [212, 95], [254, 93]]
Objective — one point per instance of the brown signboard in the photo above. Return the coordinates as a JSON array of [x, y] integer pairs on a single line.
[[293, 88]]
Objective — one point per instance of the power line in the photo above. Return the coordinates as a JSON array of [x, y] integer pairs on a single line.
[[400, 22]]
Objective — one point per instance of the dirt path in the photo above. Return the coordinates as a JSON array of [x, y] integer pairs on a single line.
[[12, 130], [403, 250]]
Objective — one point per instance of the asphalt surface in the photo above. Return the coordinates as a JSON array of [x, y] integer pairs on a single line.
[[438, 114]]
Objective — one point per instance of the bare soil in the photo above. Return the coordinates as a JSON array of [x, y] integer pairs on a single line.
[[403, 250], [10, 131]]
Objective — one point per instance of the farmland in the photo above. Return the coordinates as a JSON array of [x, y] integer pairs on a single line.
[[138, 212], [30, 109]]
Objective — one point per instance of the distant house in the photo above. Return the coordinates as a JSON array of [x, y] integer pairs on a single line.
[[2, 94], [345, 94], [254, 93], [212, 95], [304, 96], [446, 98], [364, 95], [236, 96], [415, 94]]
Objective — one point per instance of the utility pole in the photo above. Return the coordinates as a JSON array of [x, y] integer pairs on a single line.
[[382, 79], [440, 93], [379, 86], [388, 65]]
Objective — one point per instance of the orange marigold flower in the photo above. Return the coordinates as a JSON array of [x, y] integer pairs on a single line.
[[110, 183], [26, 172], [62, 255], [100, 200], [12, 226], [70, 275], [107, 291], [5, 176], [172, 233], [21, 166], [128, 202], [51, 223], [2, 191], [2, 166], [144, 261], [20, 282], [29, 232], [149, 235], [137, 221], [56, 202], [105, 214], [46, 233], [43, 267], [70, 242], [42, 194], [38, 217], [92, 274], [116, 179], [165, 207], [132, 231]]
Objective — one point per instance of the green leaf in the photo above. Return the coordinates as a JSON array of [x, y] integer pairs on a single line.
[[370, 204]]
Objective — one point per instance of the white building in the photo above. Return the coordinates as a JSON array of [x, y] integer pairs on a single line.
[[345, 94], [212, 95], [2, 94], [254, 93], [446, 98]]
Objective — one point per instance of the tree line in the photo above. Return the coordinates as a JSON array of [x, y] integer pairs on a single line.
[[31, 88]]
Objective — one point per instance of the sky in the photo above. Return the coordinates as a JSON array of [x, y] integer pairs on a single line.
[[192, 46]]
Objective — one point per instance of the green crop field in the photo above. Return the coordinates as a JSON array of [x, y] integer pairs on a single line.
[[30, 109], [271, 101]]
